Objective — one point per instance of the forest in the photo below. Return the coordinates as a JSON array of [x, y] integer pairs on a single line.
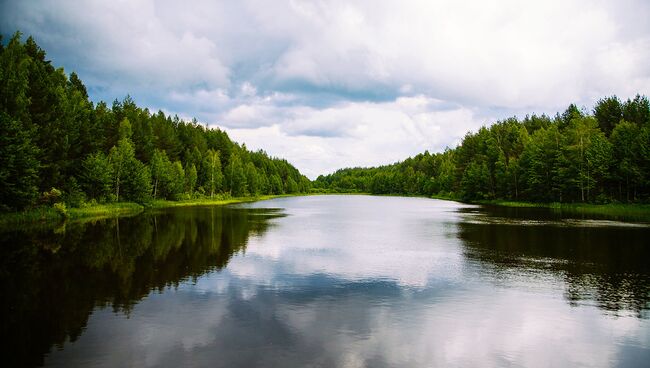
[[576, 156], [58, 146]]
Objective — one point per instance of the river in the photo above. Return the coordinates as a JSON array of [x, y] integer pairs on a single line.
[[329, 281]]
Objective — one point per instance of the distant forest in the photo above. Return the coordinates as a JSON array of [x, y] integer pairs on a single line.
[[57, 145], [573, 157]]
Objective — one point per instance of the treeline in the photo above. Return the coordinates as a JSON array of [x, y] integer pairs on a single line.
[[57, 145], [573, 157]]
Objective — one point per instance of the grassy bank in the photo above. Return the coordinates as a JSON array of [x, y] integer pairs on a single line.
[[42, 215], [638, 211], [51, 214], [626, 211], [160, 203], [112, 210]]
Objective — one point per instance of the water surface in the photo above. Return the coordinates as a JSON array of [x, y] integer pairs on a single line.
[[329, 281]]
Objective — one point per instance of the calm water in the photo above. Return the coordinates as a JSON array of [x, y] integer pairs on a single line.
[[329, 281]]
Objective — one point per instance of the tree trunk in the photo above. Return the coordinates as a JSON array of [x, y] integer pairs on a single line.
[[588, 180], [516, 187], [582, 186], [117, 190], [212, 178]]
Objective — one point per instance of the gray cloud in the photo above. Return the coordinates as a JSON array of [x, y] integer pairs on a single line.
[[329, 73]]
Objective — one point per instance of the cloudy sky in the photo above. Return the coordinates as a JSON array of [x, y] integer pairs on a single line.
[[331, 84]]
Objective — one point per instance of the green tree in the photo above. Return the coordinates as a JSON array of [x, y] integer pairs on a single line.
[[599, 159], [539, 163], [637, 110], [476, 181], [19, 164], [292, 186], [161, 174], [626, 160], [120, 157], [579, 135], [96, 178], [252, 179], [190, 179], [178, 178], [235, 176], [52, 135], [136, 183], [609, 112], [276, 184], [211, 172]]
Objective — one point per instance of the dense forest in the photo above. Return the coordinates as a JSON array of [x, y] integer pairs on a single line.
[[56, 145], [573, 157]]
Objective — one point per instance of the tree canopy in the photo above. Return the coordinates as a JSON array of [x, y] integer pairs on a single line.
[[53, 136], [573, 157]]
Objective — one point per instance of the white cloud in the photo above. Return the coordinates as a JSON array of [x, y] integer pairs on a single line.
[[352, 133]]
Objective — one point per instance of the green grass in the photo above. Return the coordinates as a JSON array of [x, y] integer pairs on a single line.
[[40, 214], [162, 203], [46, 214], [513, 203], [447, 197], [106, 210], [625, 210], [49, 215]]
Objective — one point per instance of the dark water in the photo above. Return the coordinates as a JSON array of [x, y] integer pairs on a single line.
[[329, 281]]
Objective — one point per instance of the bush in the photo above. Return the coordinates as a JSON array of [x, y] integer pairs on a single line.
[[602, 199], [61, 209], [182, 197], [51, 196], [74, 196]]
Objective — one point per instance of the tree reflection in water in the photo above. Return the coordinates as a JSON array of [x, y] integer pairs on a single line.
[[53, 278], [605, 265]]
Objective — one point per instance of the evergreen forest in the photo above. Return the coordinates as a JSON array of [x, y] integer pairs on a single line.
[[56, 145], [575, 156]]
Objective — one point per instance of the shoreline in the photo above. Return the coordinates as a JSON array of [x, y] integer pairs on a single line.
[[635, 210], [49, 215], [626, 210]]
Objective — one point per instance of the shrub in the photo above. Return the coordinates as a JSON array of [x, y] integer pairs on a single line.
[[51, 196], [61, 209], [74, 196]]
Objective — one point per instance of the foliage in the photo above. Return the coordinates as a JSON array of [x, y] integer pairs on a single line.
[[53, 136], [61, 209], [96, 175], [573, 157], [51, 196]]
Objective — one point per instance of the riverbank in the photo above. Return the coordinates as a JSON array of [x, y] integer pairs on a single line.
[[632, 211], [627, 210], [112, 210], [42, 215]]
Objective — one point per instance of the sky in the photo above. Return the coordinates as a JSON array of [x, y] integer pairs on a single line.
[[333, 84]]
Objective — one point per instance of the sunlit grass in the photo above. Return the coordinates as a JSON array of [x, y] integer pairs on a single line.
[[106, 210], [47, 214], [628, 210]]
